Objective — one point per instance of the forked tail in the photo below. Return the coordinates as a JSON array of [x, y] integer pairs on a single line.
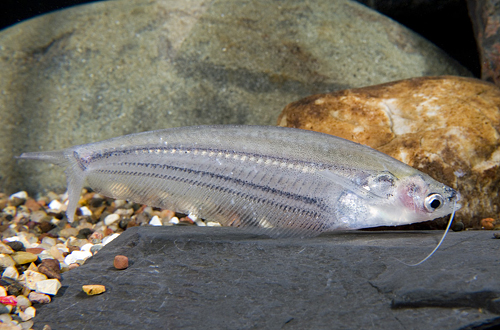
[[75, 176]]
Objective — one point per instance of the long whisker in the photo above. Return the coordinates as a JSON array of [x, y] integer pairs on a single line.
[[440, 242]]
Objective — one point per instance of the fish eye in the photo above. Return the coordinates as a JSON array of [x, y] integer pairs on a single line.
[[433, 202]]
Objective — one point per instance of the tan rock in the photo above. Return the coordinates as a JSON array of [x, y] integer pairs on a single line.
[[6, 261], [21, 258], [445, 126], [5, 249], [93, 289]]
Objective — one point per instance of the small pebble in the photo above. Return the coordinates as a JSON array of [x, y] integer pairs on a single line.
[[6, 261], [48, 286], [20, 195], [67, 232], [5, 309], [26, 325], [73, 266], [93, 289], [4, 248], [50, 268], [47, 327], [108, 239], [84, 233], [21, 258], [5, 318], [488, 223], [85, 211], [120, 262], [10, 272], [174, 221], [457, 226], [56, 205], [23, 301], [155, 221], [38, 298], [110, 219], [3, 291], [8, 300], [16, 246], [32, 278], [496, 235], [95, 248], [28, 314]]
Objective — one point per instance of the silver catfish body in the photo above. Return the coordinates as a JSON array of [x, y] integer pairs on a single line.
[[289, 181]]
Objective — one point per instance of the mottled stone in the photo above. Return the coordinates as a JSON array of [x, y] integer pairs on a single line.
[[445, 126], [110, 68], [31, 278]]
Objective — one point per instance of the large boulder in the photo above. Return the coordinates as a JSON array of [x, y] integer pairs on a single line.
[[116, 67], [447, 127]]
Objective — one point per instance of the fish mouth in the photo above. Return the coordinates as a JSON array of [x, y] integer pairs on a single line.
[[452, 194]]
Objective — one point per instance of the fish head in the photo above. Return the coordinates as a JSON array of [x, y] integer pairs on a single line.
[[385, 199], [421, 198]]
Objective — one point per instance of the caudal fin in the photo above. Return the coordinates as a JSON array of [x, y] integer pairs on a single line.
[[75, 175]]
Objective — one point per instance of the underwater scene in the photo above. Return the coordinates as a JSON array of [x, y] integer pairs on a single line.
[[236, 164]]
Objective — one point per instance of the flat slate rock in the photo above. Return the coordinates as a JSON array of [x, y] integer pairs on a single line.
[[224, 278]]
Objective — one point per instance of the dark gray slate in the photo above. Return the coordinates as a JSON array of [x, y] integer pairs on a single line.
[[224, 278]]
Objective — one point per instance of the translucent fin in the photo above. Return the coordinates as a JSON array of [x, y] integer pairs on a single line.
[[75, 176], [53, 157], [348, 184]]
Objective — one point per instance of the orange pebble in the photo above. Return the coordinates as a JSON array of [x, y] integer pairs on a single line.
[[488, 223]]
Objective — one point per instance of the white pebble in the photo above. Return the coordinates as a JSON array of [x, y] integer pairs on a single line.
[[5, 318], [55, 205], [85, 211], [86, 247], [10, 272], [213, 224], [49, 241], [20, 195], [26, 325], [81, 255], [32, 277], [174, 220], [110, 219], [119, 202], [155, 221], [70, 259], [28, 314], [48, 286], [109, 238], [3, 292], [199, 222]]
